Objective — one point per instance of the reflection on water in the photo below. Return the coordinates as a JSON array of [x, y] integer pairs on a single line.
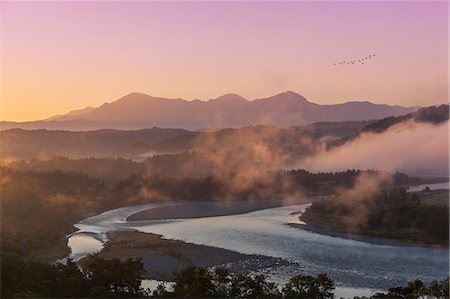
[[91, 234], [81, 245], [350, 263]]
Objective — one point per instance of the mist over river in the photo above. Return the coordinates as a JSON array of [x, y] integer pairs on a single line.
[[349, 263]]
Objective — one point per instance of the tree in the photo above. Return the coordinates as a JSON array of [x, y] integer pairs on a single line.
[[325, 286], [259, 287], [299, 286], [114, 278], [71, 282], [194, 282], [161, 292], [306, 286]]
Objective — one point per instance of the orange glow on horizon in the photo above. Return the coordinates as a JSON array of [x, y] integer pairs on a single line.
[[52, 63]]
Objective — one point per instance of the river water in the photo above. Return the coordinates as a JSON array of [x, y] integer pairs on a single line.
[[352, 264], [436, 186]]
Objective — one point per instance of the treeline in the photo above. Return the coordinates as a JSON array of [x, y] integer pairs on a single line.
[[28, 144], [110, 171], [196, 282], [94, 277], [393, 214], [194, 164], [418, 289], [315, 181], [275, 185], [113, 170]]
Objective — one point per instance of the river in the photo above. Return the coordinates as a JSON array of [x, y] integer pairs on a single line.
[[356, 266]]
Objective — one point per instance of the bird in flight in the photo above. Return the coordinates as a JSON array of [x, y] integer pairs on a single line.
[[355, 61]]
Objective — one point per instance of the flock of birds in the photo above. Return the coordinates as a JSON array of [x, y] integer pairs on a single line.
[[361, 61]]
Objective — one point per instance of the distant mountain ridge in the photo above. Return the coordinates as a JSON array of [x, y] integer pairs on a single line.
[[137, 111], [20, 144]]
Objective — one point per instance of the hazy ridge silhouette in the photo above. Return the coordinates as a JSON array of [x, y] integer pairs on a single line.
[[137, 111]]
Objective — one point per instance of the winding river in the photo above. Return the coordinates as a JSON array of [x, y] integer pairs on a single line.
[[350, 263]]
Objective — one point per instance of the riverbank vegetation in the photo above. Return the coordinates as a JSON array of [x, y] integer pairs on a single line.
[[392, 214]]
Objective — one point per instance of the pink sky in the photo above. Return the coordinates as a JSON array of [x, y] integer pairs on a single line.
[[59, 56]]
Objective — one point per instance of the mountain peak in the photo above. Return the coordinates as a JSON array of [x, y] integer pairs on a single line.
[[292, 95], [138, 97], [287, 97], [136, 94], [229, 98], [133, 96]]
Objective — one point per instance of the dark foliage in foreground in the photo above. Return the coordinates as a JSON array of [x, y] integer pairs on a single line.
[[94, 277], [98, 278], [417, 289], [219, 283]]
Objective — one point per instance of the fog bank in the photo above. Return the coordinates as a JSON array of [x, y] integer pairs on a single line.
[[409, 147]]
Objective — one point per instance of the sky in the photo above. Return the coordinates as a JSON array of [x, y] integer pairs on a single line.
[[60, 56]]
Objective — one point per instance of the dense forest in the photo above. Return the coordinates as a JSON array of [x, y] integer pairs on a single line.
[[194, 164], [392, 214], [110, 171]]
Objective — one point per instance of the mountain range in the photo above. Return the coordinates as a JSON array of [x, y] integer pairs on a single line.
[[137, 111]]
